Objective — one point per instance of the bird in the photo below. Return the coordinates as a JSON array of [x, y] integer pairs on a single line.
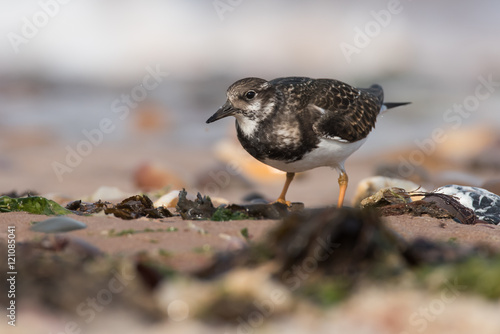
[[295, 124]]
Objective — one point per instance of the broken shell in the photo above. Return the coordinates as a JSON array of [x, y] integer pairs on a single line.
[[371, 185]]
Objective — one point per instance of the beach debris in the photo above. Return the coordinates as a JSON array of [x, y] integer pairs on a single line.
[[58, 224], [485, 204], [416, 209], [371, 185], [323, 254], [133, 207], [226, 214], [459, 212], [386, 196], [274, 210], [136, 207], [396, 201], [35, 204], [334, 241], [341, 241], [80, 207], [202, 208], [170, 200], [199, 209]]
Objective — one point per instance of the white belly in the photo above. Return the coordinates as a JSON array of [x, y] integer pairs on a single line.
[[331, 153]]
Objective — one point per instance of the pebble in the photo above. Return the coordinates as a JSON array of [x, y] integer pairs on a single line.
[[168, 200], [149, 177], [106, 193], [58, 224]]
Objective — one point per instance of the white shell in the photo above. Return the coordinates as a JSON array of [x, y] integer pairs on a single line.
[[485, 204]]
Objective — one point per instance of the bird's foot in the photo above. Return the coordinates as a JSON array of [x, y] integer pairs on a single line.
[[283, 201]]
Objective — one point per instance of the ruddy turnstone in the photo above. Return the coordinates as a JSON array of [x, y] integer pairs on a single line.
[[295, 124]]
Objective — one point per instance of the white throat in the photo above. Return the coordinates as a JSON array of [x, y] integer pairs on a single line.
[[247, 126]]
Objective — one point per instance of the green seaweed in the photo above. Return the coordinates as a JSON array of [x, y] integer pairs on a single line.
[[244, 233], [478, 275], [224, 214], [36, 205]]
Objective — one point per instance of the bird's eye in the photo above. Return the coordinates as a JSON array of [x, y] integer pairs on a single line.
[[250, 94]]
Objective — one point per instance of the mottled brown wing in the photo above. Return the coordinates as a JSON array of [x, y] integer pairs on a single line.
[[348, 114]]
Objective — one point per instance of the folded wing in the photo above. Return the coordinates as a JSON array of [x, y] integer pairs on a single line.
[[345, 113]]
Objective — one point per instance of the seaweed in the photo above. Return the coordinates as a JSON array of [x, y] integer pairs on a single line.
[[199, 209], [136, 207], [203, 209], [225, 214], [36, 205]]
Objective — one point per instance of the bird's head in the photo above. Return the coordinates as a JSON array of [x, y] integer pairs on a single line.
[[249, 100]]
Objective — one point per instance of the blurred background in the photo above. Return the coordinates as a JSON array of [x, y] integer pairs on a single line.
[[66, 67]]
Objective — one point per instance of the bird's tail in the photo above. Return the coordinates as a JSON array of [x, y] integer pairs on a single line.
[[390, 105]]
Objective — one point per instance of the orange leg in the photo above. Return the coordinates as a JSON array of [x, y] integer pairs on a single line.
[[281, 199], [343, 180]]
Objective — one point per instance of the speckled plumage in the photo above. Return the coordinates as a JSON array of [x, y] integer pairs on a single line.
[[485, 204], [297, 123]]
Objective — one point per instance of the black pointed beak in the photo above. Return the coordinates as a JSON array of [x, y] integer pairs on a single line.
[[226, 110]]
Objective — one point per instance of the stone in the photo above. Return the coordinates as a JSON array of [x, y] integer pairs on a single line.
[[58, 224], [371, 185]]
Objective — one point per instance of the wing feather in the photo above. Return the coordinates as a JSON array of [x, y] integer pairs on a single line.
[[345, 113]]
